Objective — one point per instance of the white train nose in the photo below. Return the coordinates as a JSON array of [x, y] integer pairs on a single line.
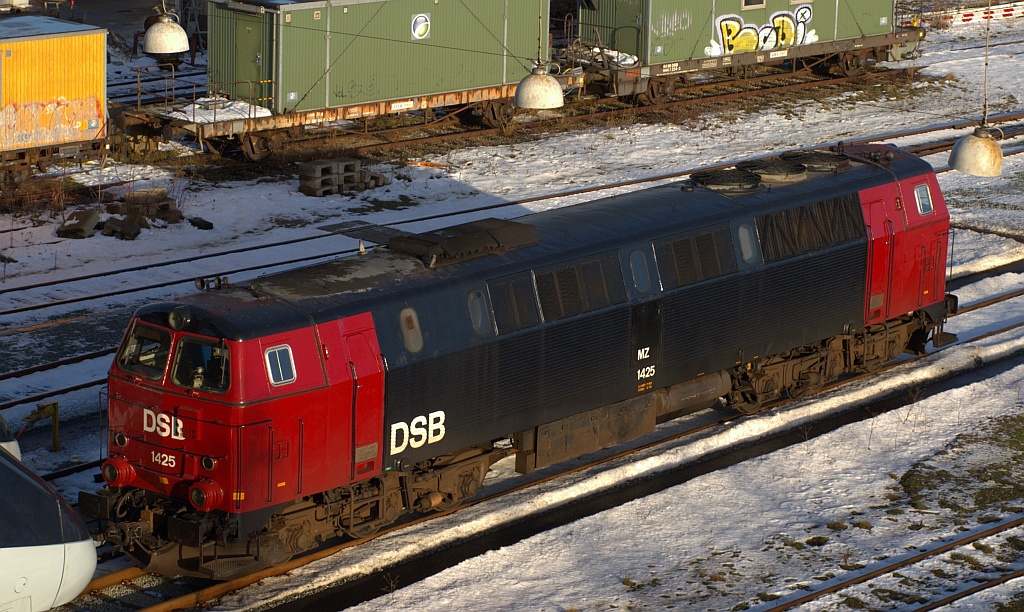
[[79, 567]]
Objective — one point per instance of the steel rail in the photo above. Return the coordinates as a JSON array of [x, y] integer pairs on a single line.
[[889, 568]]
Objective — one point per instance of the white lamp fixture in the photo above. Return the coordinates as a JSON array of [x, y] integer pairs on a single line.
[[539, 90], [978, 154], [165, 37]]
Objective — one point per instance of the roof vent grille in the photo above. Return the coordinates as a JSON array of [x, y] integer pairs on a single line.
[[463, 242], [733, 180], [819, 161], [775, 170]]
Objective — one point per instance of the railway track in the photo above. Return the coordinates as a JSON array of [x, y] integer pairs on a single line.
[[1012, 526], [158, 593], [711, 92]]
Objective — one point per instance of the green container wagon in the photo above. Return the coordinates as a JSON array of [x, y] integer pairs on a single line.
[[654, 39], [290, 56]]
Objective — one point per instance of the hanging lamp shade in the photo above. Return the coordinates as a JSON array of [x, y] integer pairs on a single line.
[[977, 154], [165, 37], [539, 90]]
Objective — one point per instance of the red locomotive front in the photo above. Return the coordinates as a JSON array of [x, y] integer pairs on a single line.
[[210, 435]]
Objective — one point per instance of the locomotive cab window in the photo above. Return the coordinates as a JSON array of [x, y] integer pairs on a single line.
[[753, 4], [411, 332], [202, 364], [924, 199], [280, 365], [145, 351]]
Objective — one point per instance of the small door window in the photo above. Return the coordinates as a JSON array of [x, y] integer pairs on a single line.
[[411, 333], [478, 312], [641, 274], [280, 365], [747, 240], [924, 199]]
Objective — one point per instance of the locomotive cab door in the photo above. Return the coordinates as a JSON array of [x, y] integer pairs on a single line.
[[367, 402], [643, 285], [881, 259], [355, 372]]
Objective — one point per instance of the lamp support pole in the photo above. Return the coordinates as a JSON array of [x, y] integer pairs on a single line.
[[988, 28]]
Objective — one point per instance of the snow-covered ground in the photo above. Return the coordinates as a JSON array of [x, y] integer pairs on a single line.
[[729, 540]]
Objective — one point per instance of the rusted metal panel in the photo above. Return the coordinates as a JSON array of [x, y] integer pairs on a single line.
[[355, 111], [52, 82]]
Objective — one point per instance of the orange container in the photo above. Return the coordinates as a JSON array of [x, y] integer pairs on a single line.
[[53, 88]]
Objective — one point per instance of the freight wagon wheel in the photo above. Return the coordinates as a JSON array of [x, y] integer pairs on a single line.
[[498, 113], [658, 91], [852, 64], [255, 147]]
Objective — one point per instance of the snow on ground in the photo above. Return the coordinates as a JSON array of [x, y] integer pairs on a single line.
[[729, 540]]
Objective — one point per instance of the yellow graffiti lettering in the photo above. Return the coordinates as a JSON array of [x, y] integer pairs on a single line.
[[737, 38], [784, 29]]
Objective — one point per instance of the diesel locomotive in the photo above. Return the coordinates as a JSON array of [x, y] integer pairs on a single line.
[[248, 423]]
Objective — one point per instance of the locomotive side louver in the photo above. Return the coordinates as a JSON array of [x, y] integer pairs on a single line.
[[463, 242]]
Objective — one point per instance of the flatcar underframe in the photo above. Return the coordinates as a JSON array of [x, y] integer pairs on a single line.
[[166, 536]]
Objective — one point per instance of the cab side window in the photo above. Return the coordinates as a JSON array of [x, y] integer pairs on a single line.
[[924, 199], [280, 365]]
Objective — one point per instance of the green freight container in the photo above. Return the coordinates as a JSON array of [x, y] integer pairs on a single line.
[[661, 31], [291, 56]]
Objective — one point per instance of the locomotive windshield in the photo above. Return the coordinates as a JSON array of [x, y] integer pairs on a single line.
[[201, 363], [145, 351], [198, 363]]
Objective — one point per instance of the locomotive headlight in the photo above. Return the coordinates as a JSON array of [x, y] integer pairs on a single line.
[[205, 495], [178, 318], [120, 439], [208, 463], [118, 472]]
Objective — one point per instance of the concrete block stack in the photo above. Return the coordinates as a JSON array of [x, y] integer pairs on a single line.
[[333, 176], [153, 203]]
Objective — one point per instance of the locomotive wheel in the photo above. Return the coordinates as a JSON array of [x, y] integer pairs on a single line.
[[466, 486], [750, 403], [364, 531], [498, 113], [255, 147]]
